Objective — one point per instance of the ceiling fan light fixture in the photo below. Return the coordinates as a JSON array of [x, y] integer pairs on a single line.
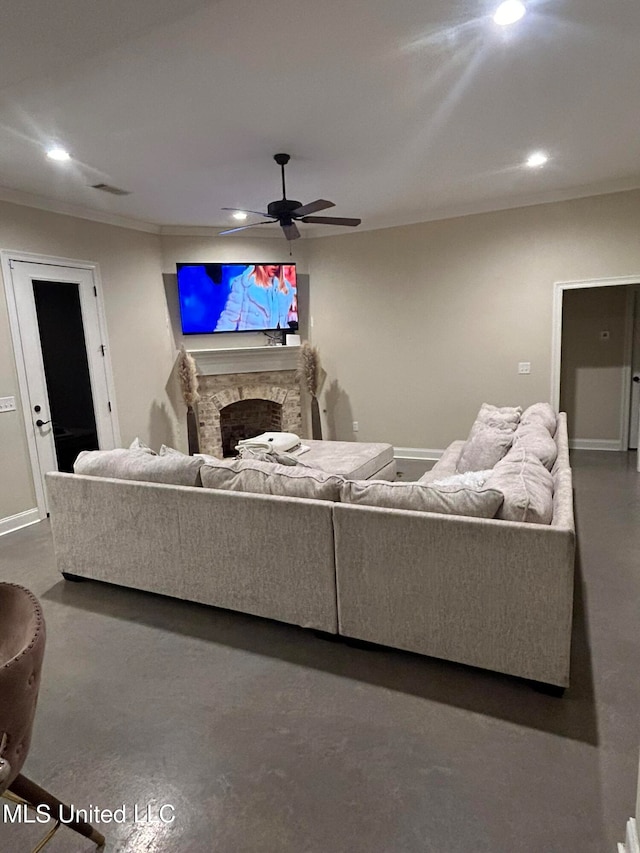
[[509, 12], [240, 215]]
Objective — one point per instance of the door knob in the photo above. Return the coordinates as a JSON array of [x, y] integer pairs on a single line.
[[636, 378], [40, 423]]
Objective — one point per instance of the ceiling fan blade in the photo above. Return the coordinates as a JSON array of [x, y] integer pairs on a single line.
[[291, 231], [331, 220], [243, 210], [244, 227], [313, 207]]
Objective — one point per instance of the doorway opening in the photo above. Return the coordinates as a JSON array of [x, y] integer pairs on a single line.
[[596, 354], [66, 369]]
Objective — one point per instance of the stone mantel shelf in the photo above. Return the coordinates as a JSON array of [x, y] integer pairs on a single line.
[[215, 362]]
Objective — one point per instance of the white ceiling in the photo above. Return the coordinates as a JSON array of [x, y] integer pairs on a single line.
[[397, 111]]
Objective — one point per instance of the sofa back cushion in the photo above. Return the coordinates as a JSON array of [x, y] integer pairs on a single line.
[[452, 500], [535, 438], [486, 445], [527, 487], [267, 478], [175, 469], [540, 413]]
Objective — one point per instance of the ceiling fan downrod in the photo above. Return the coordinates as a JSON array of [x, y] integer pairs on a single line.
[[282, 160]]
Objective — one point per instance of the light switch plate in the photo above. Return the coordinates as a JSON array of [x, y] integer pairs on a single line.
[[7, 404], [524, 367]]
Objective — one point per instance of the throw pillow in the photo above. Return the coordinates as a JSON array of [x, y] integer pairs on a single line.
[[267, 478], [165, 450], [136, 444], [489, 414], [541, 413], [122, 464], [451, 500], [486, 445], [535, 438], [527, 487]]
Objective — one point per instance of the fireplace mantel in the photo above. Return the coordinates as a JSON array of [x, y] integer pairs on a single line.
[[216, 362]]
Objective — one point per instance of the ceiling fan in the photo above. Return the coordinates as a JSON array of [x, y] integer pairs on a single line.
[[286, 211]]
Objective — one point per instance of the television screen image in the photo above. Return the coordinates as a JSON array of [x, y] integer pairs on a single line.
[[237, 297]]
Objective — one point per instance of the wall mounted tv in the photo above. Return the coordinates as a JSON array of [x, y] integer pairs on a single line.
[[237, 297]]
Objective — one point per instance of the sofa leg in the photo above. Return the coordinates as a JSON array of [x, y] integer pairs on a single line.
[[548, 689], [74, 578]]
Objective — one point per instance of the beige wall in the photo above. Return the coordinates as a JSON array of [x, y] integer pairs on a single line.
[[418, 325], [138, 328], [592, 379]]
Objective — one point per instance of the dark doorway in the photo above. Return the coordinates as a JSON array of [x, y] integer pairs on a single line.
[[66, 369]]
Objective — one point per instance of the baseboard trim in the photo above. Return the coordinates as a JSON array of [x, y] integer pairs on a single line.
[[632, 841], [595, 444], [15, 522], [417, 453]]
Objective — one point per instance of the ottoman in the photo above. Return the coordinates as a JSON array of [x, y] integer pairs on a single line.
[[351, 459]]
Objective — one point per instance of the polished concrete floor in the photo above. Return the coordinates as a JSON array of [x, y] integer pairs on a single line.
[[267, 739]]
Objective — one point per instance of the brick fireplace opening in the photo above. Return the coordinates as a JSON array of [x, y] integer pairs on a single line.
[[246, 419], [241, 405]]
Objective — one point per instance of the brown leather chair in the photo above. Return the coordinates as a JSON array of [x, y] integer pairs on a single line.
[[22, 639]]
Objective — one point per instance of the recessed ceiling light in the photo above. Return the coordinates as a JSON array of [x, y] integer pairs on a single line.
[[538, 158], [239, 214], [58, 154], [509, 12]]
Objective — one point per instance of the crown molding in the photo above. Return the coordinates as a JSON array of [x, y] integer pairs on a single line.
[[43, 203], [495, 205], [210, 231], [451, 212]]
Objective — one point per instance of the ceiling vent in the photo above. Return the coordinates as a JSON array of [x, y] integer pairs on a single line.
[[107, 188]]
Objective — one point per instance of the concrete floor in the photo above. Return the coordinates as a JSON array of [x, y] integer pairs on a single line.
[[267, 739]]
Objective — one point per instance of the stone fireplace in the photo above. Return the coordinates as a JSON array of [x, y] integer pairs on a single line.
[[241, 404]]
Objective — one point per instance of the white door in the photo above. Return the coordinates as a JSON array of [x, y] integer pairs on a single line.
[[35, 299]]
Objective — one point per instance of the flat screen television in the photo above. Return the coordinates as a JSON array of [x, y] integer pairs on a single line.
[[237, 297]]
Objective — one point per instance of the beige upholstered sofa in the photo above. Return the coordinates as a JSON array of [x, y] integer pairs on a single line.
[[488, 592]]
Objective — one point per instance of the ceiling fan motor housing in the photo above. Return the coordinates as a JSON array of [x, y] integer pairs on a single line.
[[284, 207]]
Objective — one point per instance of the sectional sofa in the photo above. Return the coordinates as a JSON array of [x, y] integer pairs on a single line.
[[491, 592]]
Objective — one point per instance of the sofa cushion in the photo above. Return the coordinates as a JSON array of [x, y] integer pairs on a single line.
[[267, 478], [120, 464], [279, 457], [452, 500], [527, 487], [540, 413], [446, 465], [485, 446], [535, 438]]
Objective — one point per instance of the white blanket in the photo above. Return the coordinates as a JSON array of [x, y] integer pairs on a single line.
[[278, 441]]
